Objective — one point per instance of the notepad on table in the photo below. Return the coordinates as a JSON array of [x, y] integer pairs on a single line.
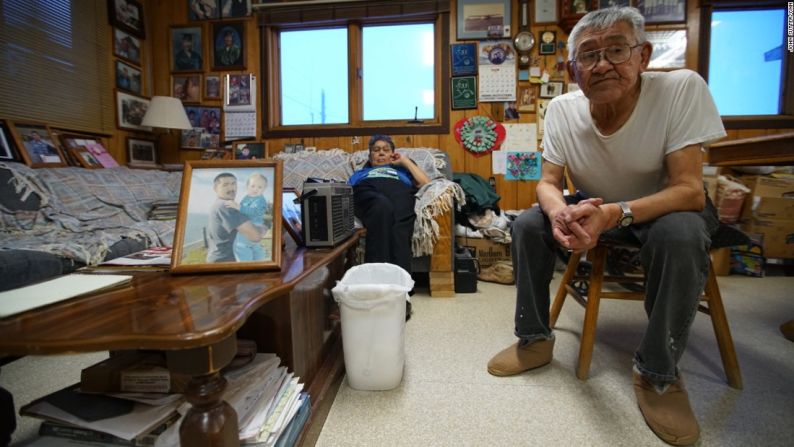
[[55, 290]]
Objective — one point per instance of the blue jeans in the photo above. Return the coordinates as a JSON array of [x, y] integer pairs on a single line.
[[247, 250], [674, 251]]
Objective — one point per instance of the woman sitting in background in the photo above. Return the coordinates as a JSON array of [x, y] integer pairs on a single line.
[[383, 193]]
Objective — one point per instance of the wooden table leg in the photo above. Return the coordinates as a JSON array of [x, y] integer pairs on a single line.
[[211, 421]]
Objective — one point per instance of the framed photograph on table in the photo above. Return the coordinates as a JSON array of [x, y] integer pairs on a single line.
[[130, 110], [291, 215], [127, 15], [662, 11], [229, 216], [141, 152], [483, 19], [551, 89], [228, 46], [36, 144], [85, 158], [186, 48], [7, 152], [126, 47]]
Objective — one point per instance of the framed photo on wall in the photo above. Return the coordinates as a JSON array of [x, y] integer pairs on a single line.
[[228, 46], [545, 11], [611, 3], [203, 9], [235, 8], [128, 78], [551, 89], [126, 47], [483, 19], [186, 87], [229, 216], [669, 49], [662, 11], [206, 132], [36, 144], [130, 110], [186, 48], [250, 151], [212, 86], [141, 152], [127, 15]]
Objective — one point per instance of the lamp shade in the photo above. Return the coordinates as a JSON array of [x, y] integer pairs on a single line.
[[167, 113]]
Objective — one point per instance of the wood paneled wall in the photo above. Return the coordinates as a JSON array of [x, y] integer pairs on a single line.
[[162, 14]]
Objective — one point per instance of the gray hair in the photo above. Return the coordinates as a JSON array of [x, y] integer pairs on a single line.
[[604, 18]]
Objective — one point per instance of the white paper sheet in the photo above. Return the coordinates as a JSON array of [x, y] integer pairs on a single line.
[[498, 162], [520, 137], [59, 289]]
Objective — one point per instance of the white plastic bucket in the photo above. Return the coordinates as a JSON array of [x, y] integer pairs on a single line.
[[371, 300]]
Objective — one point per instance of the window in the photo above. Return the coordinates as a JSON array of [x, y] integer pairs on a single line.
[[378, 66], [748, 68], [54, 63]]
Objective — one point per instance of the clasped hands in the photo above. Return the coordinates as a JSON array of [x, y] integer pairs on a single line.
[[578, 226]]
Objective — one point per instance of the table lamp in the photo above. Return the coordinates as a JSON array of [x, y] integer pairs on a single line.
[[167, 113]]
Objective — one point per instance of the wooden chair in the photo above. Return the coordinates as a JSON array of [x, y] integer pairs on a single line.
[[711, 301]]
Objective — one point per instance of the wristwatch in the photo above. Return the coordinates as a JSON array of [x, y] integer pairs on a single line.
[[626, 217]]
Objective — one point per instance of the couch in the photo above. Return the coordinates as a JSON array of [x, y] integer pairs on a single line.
[[433, 241], [55, 220]]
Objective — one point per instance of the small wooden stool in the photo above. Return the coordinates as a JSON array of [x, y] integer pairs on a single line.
[[712, 302]]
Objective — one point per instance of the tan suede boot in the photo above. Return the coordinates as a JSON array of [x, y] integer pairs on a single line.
[[514, 359], [500, 272], [669, 414]]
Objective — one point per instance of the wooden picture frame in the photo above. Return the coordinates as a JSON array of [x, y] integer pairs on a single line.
[[36, 144], [186, 87], [211, 235], [126, 47], [545, 11], [212, 86], [659, 11], [72, 142], [250, 151], [127, 15], [85, 158], [292, 215], [201, 10], [551, 89], [669, 49], [206, 131], [130, 110], [483, 19], [7, 148], [610, 3], [141, 152], [187, 49], [235, 8], [128, 78], [228, 46]]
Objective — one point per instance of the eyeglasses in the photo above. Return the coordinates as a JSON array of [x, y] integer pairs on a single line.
[[614, 54]]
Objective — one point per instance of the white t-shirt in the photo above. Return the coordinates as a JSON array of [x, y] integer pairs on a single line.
[[675, 110]]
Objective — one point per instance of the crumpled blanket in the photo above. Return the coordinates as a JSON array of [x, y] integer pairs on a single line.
[[434, 198], [84, 212]]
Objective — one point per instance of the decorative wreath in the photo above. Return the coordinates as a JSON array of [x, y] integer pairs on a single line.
[[479, 134]]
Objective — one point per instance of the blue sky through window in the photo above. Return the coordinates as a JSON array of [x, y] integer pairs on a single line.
[[745, 61]]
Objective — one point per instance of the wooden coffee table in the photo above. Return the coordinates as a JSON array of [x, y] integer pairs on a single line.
[[196, 319]]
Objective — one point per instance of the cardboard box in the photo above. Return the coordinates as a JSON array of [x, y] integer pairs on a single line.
[[770, 197], [778, 236], [486, 251]]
